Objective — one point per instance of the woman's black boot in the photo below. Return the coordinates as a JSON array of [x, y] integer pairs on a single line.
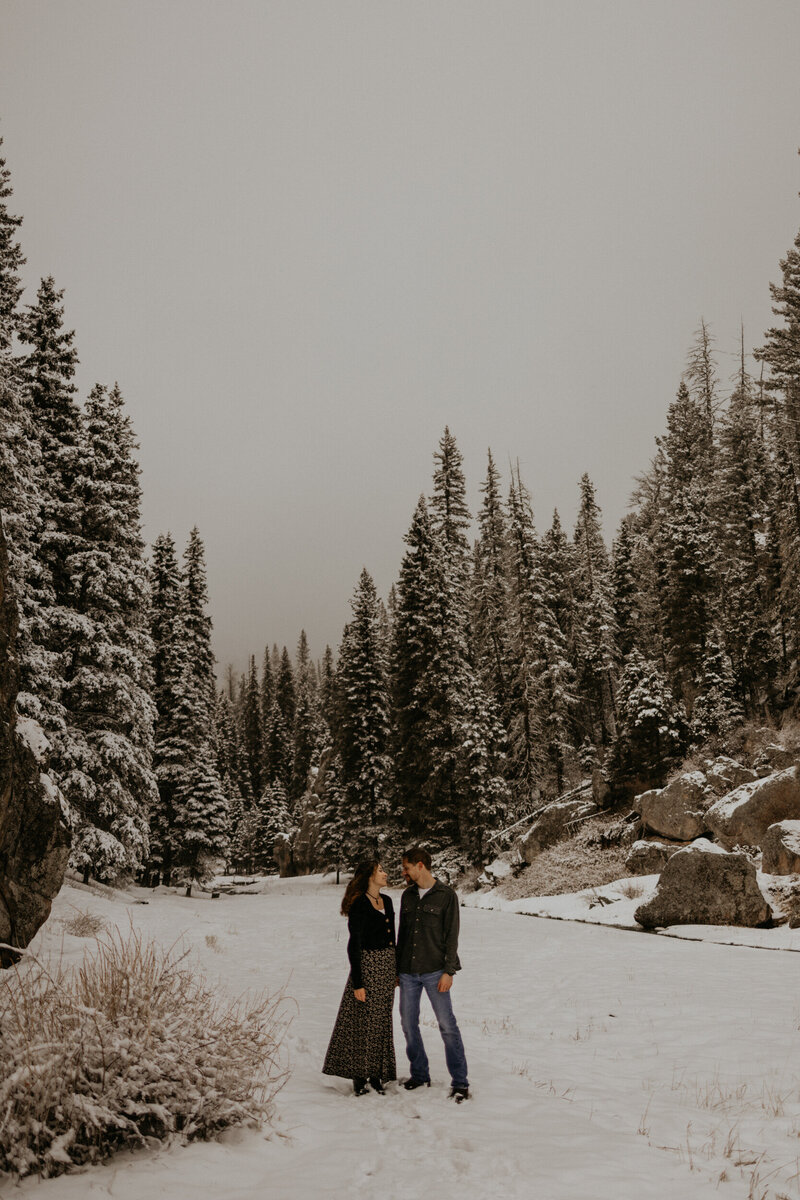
[[376, 1085], [360, 1086]]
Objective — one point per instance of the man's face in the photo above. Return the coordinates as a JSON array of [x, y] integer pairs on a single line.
[[411, 871]]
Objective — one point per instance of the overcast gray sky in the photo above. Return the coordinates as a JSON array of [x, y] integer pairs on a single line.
[[305, 236]]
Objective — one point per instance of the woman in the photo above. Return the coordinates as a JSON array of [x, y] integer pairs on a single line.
[[362, 1046]]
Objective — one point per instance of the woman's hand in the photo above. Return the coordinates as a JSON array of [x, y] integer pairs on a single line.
[[360, 994]]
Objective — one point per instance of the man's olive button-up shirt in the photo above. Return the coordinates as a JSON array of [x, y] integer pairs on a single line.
[[427, 939]]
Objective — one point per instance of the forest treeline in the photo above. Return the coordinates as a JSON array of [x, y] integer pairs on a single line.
[[508, 661]]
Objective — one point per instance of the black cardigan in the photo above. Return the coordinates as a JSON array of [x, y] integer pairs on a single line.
[[369, 930]]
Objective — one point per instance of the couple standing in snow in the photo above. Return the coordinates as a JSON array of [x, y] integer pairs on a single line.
[[423, 957]]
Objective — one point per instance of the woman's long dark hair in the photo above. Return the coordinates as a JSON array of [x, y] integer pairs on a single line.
[[359, 883]]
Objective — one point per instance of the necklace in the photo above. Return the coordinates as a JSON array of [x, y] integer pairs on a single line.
[[376, 899]]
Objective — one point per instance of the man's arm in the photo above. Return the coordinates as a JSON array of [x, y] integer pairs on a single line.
[[450, 927]]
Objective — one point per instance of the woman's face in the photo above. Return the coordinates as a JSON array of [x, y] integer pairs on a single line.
[[378, 877]]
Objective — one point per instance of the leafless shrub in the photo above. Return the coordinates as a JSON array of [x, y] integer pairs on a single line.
[[84, 924], [130, 1049]]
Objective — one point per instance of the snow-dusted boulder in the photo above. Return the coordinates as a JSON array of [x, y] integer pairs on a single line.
[[647, 857], [553, 825], [776, 757], [781, 849], [724, 774], [676, 811], [743, 816], [704, 885]]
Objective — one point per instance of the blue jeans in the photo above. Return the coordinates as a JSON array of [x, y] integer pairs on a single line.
[[411, 987]]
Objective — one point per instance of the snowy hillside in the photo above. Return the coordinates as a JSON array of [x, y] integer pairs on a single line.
[[604, 1063]]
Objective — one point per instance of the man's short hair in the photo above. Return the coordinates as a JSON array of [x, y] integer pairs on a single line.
[[418, 854]]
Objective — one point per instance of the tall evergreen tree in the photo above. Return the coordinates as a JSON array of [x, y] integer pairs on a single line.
[[21, 500], [781, 356], [285, 689], [363, 732], [306, 724], [443, 720], [490, 593], [595, 633], [651, 730], [105, 758], [252, 731], [278, 755], [198, 628], [684, 544], [172, 693], [742, 503]]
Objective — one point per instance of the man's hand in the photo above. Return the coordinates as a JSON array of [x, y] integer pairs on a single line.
[[445, 982], [360, 994]]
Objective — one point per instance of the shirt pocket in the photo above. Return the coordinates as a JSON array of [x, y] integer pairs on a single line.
[[429, 913]]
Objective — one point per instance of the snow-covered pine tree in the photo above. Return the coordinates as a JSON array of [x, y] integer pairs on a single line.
[[173, 695], [781, 356], [554, 651], [744, 498], [201, 808], [306, 720], [717, 709], [105, 757], [442, 718], [278, 748], [267, 693], [449, 514], [423, 736], [20, 475], [472, 741], [228, 745], [625, 588], [595, 629], [685, 548], [49, 368], [490, 594], [198, 627], [285, 689], [327, 688], [526, 740], [252, 731], [333, 840], [274, 828], [651, 731], [363, 731]]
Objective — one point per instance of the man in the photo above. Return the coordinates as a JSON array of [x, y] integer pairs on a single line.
[[427, 959]]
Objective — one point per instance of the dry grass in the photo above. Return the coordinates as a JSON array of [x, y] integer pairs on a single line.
[[631, 890], [84, 924], [129, 1049], [572, 865]]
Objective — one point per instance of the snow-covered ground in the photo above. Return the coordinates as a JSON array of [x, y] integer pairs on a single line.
[[604, 1064]]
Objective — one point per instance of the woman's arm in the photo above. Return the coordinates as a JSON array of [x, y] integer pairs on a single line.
[[355, 923]]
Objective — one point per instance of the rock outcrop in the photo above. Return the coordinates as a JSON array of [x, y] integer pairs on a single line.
[[704, 885], [781, 849], [554, 824], [724, 774], [647, 857], [677, 811], [34, 828], [743, 816]]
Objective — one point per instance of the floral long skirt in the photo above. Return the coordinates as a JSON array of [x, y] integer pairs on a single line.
[[362, 1045]]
